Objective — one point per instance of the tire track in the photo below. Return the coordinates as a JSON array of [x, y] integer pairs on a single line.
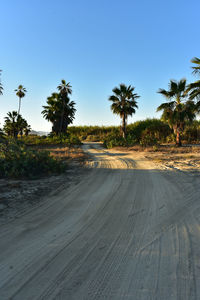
[[127, 231]]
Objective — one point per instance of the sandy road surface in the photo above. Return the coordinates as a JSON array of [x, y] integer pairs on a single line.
[[126, 231]]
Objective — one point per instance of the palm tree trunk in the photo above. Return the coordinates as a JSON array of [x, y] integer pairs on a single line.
[[62, 117], [124, 126], [178, 139], [19, 106]]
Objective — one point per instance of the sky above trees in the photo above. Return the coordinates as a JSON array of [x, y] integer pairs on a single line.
[[94, 45]]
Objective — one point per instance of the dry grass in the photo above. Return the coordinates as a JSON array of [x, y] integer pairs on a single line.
[[162, 149], [64, 153], [67, 153], [170, 156], [179, 158]]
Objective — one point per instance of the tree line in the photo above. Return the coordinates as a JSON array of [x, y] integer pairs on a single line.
[[181, 107], [60, 111]]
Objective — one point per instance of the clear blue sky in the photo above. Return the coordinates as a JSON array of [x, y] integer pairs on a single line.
[[95, 45]]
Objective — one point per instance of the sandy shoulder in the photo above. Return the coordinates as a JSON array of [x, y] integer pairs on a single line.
[[20, 196]]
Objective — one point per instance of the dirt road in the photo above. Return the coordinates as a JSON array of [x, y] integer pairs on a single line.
[[126, 231]]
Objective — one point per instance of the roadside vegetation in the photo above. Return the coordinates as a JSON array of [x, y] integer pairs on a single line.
[[19, 161], [27, 156], [23, 154], [177, 111], [149, 132]]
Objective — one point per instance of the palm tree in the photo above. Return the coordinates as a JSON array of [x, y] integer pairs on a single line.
[[65, 90], [58, 114], [194, 88], [124, 103], [22, 125], [27, 130], [1, 86], [20, 92], [11, 126], [1, 135], [177, 110]]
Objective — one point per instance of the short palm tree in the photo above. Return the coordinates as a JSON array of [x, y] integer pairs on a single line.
[[178, 109], [194, 88], [22, 125], [20, 92], [27, 130], [124, 103], [11, 126]]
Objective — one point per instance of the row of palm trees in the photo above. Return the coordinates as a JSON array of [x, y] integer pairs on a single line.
[[60, 111], [15, 124], [183, 103]]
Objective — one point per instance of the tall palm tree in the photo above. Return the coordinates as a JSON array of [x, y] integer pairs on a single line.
[[194, 88], [20, 92], [1, 86], [178, 109], [65, 90], [124, 103]]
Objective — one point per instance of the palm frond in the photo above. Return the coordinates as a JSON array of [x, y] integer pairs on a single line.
[[181, 85], [173, 86], [113, 98], [124, 100], [169, 106], [165, 93], [196, 69]]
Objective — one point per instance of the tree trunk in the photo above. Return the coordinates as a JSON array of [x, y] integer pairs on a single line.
[[15, 134], [178, 139], [124, 126], [19, 106], [62, 117]]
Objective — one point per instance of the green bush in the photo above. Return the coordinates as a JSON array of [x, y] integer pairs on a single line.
[[68, 140], [73, 140], [191, 132], [17, 161], [171, 138], [93, 138], [156, 128], [116, 140], [148, 140], [111, 134], [92, 133]]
